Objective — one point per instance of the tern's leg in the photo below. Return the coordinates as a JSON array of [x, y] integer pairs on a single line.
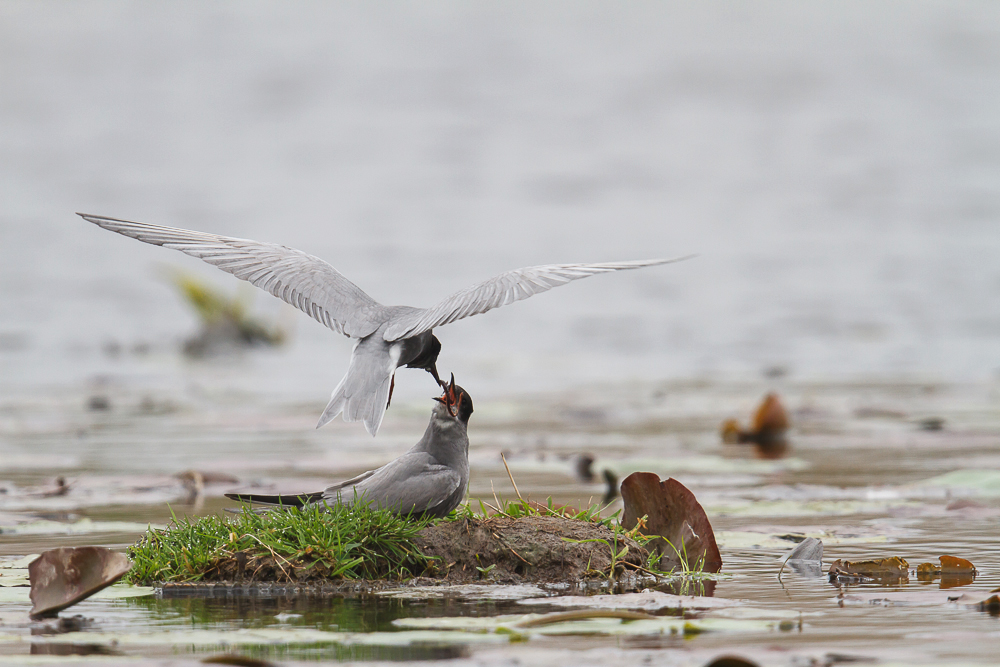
[[392, 385]]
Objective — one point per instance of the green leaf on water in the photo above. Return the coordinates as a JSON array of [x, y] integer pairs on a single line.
[[983, 481]]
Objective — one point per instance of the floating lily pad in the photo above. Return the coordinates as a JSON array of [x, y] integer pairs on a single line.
[[733, 540], [19, 563], [982, 482], [81, 527], [921, 597], [464, 623], [12, 577], [701, 464], [465, 592], [799, 508], [22, 594], [563, 624], [645, 601], [270, 637], [660, 625]]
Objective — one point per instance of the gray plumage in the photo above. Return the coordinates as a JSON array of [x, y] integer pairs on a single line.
[[388, 336], [430, 479]]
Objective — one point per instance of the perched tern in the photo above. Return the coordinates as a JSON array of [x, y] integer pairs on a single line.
[[428, 480], [387, 336]]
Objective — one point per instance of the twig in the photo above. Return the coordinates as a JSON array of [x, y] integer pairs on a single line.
[[273, 553], [493, 489], [504, 459]]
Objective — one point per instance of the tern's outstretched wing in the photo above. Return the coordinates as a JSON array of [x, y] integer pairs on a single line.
[[304, 281], [501, 290]]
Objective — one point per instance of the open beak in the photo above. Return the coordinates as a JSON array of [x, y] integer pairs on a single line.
[[449, 399]]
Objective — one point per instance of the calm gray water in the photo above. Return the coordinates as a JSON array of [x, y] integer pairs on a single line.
[[835, 165]]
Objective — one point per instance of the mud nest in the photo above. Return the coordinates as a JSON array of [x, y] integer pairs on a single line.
[[535, 548]]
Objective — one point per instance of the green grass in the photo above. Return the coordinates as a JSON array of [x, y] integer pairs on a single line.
[[339, 541], [343, 541], [517, 509]]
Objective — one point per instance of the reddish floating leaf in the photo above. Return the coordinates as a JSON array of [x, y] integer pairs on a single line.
[[955, 565], [770, 416], [770, 422], [675, 515], [62, 577]]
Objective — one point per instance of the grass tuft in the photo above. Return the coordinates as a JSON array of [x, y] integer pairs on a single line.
[[321, 542], [338, 541]]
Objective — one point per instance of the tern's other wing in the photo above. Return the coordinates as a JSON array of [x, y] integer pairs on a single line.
[[350, 482], [412, 483], [304, 281], [280, 500], [501, 290]]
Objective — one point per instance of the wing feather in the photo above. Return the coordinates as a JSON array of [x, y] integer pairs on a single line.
[[304, 281], [502, 290]]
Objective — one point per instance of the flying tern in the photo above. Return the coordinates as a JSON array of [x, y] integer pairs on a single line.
[[387, 336]]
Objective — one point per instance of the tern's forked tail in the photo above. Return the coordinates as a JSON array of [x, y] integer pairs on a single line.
[[363, 393]]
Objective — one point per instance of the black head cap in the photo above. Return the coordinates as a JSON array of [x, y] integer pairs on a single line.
[[464, 405]]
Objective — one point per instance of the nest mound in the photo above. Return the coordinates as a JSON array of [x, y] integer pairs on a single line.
[[533, 548], [497, 549]]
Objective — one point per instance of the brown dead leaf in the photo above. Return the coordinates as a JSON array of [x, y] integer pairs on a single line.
[[731, 661], [956, 565], [953, 572], [770, 416], [674, 514], [767, 431], [990, 605], [62, 577], [877, 568]]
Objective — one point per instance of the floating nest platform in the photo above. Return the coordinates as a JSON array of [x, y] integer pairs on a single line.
[[493, 550]]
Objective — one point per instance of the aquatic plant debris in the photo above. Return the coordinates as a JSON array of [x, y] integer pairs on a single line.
[[62, 577], [805, 559], [767, 430], [225, 321], [670, 511], [948, 565], [893, 567], [951, 570]]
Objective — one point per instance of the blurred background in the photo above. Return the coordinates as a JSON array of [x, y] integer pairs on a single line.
[[833, 164]]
